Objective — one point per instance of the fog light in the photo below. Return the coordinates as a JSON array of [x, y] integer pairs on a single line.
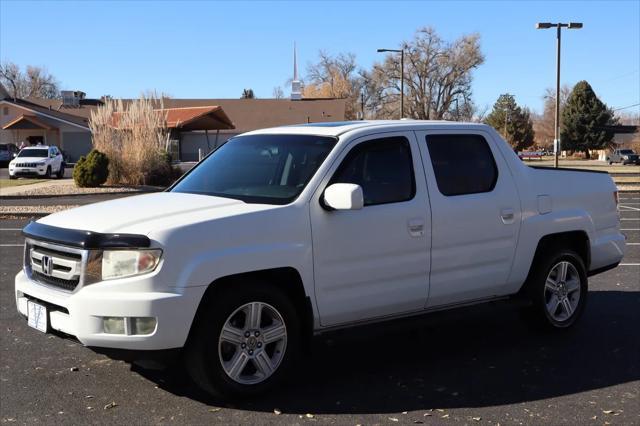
[[143, 325], [113, 325]]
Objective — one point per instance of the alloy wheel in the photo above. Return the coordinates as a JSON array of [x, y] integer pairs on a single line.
[[252, 343], [562, 291]]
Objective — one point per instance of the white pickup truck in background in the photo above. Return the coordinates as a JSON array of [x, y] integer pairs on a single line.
[[286, 232]]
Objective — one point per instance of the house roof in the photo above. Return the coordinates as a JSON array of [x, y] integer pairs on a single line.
[[26, 122], [49, 113], [246, 114], [83, 110], [198, 118], [210, 117], [252, 114]]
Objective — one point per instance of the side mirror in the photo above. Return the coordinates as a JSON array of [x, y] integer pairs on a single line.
[[15, 154], [344, 196]]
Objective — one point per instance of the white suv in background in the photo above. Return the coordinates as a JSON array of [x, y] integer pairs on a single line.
[[38, 160]]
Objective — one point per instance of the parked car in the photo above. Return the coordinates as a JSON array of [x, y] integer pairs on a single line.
[[7, 153], [40, 160], [624, 156], [284, 233]]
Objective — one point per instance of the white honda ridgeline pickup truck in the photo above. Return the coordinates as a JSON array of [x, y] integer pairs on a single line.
[[286, 232]]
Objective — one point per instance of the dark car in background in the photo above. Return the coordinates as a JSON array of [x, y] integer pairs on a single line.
[[7, 152]]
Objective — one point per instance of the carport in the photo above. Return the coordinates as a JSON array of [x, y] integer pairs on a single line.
[[189, 129], [30, 129]]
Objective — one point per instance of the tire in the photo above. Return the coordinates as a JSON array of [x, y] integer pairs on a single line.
[[11, 177], [610, 162], [567, 295], [60, 173], [208, 356], [47, 175]]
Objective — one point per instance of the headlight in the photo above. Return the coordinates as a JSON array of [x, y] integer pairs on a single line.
[[41, 163], [127, 263], [625, 157]]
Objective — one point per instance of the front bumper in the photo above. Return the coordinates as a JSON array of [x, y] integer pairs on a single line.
[[80, 314], [30, 171]]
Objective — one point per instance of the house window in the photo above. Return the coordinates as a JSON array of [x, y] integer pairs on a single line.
[[5, 111]]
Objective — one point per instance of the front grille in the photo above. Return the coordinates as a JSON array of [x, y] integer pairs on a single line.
[[27, 165], [68, 285], [54, 265]]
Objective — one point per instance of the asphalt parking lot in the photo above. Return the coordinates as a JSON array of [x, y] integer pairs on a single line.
[[480, 365]]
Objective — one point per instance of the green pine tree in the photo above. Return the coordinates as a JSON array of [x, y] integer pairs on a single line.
[[586, 121], [512, 122], [248, 94]]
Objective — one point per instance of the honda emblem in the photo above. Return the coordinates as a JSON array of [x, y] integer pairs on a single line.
[[47, 265]]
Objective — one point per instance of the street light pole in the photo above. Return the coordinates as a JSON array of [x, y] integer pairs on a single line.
[[401, 51], [557, 120], [558, 26]]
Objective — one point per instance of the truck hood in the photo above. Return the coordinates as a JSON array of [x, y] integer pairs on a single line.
[[143, 214]]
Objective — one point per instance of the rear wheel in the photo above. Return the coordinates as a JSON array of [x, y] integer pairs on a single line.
[[244, 341], [558, 289]]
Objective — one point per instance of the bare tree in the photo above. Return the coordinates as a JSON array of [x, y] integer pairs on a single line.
[[437, 76], [278, 93], [335, 77], [34, 82], [544, 123]]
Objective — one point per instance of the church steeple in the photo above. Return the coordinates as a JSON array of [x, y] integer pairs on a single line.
[[296, 85]]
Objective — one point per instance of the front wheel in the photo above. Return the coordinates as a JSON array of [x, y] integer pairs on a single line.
[[47, 174], [244, 341], [558, 289], [60, 173]]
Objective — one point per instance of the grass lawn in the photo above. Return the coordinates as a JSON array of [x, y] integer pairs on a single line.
[[6, 183]]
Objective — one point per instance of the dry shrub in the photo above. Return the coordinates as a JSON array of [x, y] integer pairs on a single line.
[[134, 137], [635, 142]]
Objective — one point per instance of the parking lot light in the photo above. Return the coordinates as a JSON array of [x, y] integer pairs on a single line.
[[401, 51], [558, 26]]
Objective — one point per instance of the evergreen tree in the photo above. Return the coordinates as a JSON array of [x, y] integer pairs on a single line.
[[585, 121], [512, 122], [248, 94]]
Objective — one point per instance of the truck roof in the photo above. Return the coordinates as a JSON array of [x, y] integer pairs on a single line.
[[337, 128]]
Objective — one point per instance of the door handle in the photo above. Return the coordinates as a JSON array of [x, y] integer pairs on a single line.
[[507, 216], [416, 227]]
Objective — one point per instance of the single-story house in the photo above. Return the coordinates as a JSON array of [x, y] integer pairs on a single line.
[[186, 141], [22, 121], [253, 114]]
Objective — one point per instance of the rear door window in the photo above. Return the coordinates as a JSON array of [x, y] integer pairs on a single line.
[[462, 163]]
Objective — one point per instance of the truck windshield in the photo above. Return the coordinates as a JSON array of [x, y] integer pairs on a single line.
[[34, 153], [269, 169], [626, 151]]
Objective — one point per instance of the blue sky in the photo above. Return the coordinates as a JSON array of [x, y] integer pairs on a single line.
[[215, 49]]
